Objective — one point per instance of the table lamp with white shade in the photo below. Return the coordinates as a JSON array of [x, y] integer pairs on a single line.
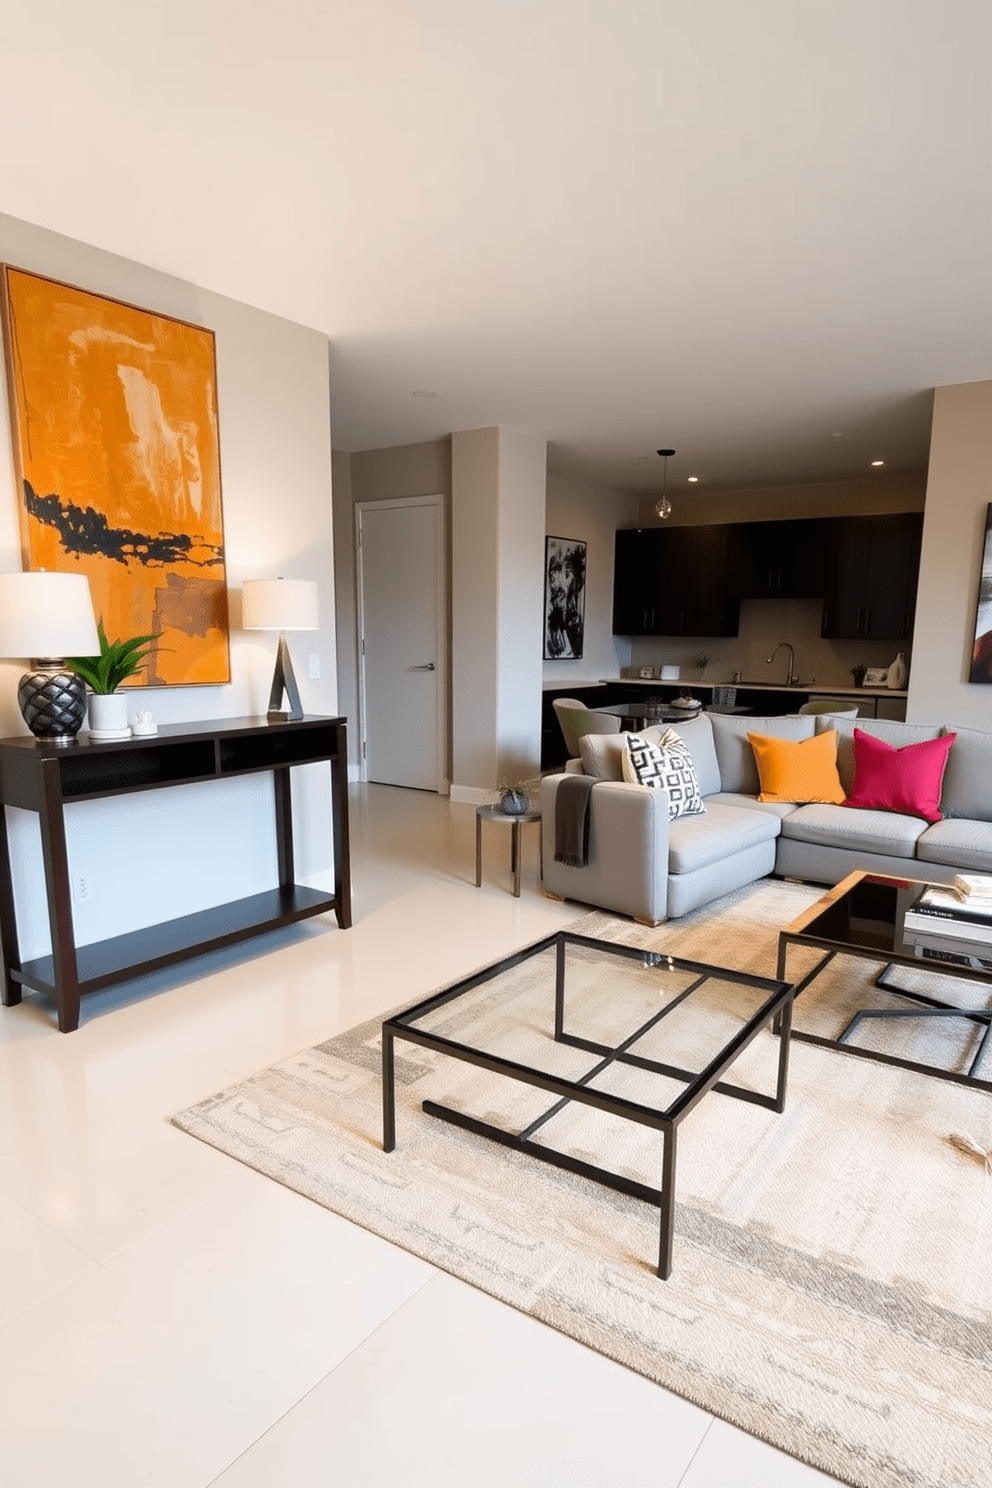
[[46, 617], [281, 604]]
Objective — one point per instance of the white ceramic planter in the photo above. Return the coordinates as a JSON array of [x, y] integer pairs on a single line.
[[108, 715]]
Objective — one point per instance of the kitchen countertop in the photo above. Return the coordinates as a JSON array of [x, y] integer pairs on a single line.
[[819, 689]]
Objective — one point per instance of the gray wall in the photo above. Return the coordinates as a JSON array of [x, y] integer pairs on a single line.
[[959, 489], [497, 545], [592, 514]]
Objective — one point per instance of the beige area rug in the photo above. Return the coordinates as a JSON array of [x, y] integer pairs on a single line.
[[832, 1284]]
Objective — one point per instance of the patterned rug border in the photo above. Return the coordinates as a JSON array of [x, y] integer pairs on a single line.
[[709, 1252]]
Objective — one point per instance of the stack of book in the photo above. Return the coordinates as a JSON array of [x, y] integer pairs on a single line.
[[954, 923]]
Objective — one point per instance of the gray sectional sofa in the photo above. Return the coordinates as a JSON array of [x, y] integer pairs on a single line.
[[643, 865]]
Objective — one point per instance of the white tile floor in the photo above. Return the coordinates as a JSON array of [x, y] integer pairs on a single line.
[[169, 1317]]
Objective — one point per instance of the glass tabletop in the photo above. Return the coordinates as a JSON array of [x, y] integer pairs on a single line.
[[870, 916], [643, 1027]]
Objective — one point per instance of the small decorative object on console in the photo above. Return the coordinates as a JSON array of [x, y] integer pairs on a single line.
[[144, 724], [117, 661], [876, 677]]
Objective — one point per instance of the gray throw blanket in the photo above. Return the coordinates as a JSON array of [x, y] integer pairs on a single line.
[[572, 820]]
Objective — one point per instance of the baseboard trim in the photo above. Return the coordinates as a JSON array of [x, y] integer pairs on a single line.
[[469, 795]]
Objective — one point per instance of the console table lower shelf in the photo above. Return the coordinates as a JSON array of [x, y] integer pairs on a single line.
[[122, 957]]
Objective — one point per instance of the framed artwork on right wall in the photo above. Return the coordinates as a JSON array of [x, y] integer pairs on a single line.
[[981, 656]]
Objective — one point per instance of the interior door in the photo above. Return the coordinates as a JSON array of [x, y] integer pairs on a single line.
[[401, 641]]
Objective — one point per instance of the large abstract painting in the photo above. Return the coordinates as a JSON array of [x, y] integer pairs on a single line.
[[564, 598], [981, 657], [114, 415]]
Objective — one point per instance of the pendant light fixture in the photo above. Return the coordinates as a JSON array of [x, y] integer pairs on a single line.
[[663, 507]]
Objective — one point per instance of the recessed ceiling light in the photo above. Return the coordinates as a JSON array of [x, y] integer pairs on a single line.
[[425, 393], [878, 462], [692, 478]]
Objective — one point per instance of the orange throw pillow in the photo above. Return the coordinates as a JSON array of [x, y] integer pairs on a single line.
[[800, 770]]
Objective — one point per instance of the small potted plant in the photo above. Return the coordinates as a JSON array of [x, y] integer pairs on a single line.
[[117, 661], [701, 663], [513, 796]]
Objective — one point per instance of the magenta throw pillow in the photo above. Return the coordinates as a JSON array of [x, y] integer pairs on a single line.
[[907, 780]]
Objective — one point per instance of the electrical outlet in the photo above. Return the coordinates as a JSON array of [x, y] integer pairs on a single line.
[[314, 667]]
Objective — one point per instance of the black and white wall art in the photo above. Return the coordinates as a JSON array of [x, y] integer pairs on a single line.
[[564, 598], [981, 656]]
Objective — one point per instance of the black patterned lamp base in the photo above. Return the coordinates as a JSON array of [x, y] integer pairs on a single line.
[[53, 704]]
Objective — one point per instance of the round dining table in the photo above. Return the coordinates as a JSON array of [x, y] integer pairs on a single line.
[[638, 713]]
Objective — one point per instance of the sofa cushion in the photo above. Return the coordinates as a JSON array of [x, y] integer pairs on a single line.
[[698, 734], [798, 769], [735, 798], [738, 771], [602, 754], [962, 844], [906, 780], [856, 831], [968, 778], [696, 842], [891, 730], [666, 765]]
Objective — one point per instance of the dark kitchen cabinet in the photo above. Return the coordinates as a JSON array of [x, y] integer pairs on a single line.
[[631, 601], [872, 566], [670, 581], [779, 560]]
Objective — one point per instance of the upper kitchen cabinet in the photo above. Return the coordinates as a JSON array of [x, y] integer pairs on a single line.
[[779, 560], [670, 581], [872, 566], [631, 598]]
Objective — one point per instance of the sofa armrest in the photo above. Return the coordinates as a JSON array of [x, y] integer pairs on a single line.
[[628, 850]]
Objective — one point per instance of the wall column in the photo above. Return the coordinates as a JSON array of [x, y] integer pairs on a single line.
[[958, 496], [498, 478]]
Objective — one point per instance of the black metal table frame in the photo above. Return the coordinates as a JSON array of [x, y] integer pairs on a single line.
[[929, 1007], [776, 1010]]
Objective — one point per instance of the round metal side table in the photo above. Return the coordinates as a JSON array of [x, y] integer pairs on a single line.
[[502, 818]]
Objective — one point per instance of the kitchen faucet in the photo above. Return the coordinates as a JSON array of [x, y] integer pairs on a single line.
[[791, 678]]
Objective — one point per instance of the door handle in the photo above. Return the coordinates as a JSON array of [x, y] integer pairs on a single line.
[[428, 666]]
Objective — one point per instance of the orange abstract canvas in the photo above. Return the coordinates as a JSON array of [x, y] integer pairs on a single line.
[[114, 414]]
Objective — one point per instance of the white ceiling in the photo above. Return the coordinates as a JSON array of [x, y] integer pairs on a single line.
[[735, 227]]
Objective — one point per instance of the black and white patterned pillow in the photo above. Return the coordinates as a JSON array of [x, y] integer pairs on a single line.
[[667, 763]]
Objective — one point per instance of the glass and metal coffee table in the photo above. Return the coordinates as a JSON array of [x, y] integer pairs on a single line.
[[631, 1033], [863, 917]]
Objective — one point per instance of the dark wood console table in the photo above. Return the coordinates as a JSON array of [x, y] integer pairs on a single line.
[[46, 777]]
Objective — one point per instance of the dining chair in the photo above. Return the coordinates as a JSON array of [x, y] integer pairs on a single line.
[[828, 705], [576, 719]]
